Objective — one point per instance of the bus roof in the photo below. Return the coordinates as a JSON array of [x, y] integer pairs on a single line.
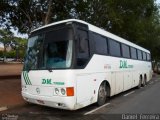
[[97, 30]]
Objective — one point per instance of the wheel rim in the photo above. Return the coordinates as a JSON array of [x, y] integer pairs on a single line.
[[102, 94]]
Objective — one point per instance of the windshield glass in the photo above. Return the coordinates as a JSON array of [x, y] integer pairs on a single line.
[[33, 51], [58, 54], [50, 50]]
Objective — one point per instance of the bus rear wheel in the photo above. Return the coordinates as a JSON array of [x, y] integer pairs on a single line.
[[140, 84], [102, 94], [144, 82]]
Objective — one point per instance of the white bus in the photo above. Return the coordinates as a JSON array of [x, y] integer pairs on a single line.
[[71, 64]]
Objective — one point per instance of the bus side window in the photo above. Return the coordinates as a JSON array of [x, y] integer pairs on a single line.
[[100, 44], [83, 48], [114, 48], [139, 54], [125, 51], [133, 53], [148, 57], [144, 56]]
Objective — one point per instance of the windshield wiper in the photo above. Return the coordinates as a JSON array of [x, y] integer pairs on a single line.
[[49, 69]]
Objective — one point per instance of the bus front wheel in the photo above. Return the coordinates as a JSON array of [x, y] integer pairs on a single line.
[[102, 94]]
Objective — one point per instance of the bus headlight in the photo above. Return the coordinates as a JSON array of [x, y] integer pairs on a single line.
[[68, 91], [56, 91], [63, 91]]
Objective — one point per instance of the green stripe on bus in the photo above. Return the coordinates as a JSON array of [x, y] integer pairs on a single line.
[[28, 79], [25, 78]]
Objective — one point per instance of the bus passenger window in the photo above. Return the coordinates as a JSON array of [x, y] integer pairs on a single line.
[[148, 57], [144, 56], [83, 48], [133, 53], [139, 54], [100, 44], [114, 48], [125, 51]]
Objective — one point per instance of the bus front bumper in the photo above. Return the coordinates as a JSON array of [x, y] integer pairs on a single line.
[[67, 103]]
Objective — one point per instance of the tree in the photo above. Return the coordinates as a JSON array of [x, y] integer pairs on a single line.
[[134, 20], [17, 44], [5, 37], [137, 22], [27, 15]]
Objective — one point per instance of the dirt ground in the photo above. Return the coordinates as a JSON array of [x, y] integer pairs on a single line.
[[10, 88], [11, 93], [10, 69]]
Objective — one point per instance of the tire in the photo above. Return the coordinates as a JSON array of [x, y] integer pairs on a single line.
[[140, 84], [102, 94], [144, 82]]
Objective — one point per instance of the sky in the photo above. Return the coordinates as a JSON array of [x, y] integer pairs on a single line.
[[158, 1], [1, 45], [18, 34]]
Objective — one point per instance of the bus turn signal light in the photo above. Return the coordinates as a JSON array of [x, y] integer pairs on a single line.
[[70, 91]]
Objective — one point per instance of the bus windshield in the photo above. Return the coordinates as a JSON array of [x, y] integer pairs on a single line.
[[58, 54], [49, 52]]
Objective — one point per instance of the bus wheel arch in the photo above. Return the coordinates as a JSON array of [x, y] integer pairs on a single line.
[[103, 92]]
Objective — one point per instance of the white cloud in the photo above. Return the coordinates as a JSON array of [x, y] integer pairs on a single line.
[[158, 1], [1, 45], [18, 34]]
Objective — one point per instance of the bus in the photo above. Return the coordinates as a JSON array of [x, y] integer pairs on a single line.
[[71, 64]]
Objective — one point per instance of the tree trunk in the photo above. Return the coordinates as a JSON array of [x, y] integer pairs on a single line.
[[48, 14]]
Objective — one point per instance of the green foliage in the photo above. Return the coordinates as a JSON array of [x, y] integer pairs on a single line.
[[1, 54], [11, 54], [5, 36], [134, 20], [30, 14], [21, 54], [18, 45]]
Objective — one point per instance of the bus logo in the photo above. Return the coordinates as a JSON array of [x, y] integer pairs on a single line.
[[124, 64], [46, 81], [50, 82]]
